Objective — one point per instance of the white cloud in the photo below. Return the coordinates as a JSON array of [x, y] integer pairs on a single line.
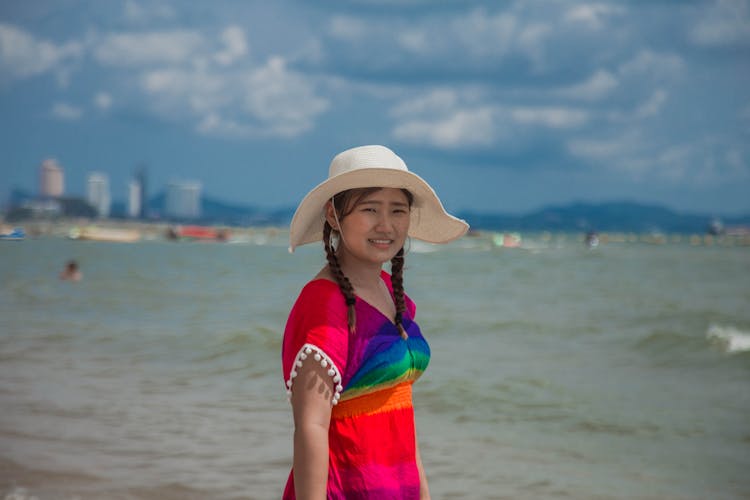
[[653, 65], [445, 118], [103, 101], [461, 128], [266, 101], [598, 86], [596, 149], [22, 55], [736, 162], [138, 49], [436, 101], [214, 124], [553, 117], [485, 35], [653, 104], [235, 46], [64, 111], [531, 42], [469, 117], [347, 28], [415, 41], [133, 11], [703, 161], [592, 15], [176, 90], [282, 99], [727, 22]]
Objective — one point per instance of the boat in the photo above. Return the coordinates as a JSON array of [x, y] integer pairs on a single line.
[[197, 233], [14, 234], [592, 239], [507, 240], [94, 233]]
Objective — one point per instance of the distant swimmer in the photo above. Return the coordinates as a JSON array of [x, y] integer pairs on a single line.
[[71, 272]]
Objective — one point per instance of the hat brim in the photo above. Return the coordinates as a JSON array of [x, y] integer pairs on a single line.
[[429, 220]]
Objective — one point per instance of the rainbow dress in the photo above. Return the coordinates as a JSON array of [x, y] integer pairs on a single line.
[[371, 438]]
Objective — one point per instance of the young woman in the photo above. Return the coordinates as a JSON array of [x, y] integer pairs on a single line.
[[351, 348]]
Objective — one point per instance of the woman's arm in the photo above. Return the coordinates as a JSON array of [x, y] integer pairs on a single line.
[[424, 489], [311, 406]]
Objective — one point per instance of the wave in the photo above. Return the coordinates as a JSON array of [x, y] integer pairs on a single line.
[[728, 338]]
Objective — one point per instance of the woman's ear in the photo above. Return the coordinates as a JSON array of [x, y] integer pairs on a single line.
[[331, 216]]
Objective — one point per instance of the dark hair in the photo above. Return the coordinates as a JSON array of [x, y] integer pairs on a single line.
[[343, 204]]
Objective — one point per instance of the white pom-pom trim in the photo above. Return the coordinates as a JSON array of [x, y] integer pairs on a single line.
[[326, 362]]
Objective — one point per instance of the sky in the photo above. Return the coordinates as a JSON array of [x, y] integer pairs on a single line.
[[502, 106]]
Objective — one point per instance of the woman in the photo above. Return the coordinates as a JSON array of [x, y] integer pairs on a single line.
[[351, 348]]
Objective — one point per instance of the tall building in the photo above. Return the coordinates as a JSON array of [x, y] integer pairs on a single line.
[[97, 193], [183, 200], [135, 199], [51, 179], [140, 178]]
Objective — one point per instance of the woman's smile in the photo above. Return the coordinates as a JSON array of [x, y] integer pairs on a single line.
[[376, 228], [381, 243]]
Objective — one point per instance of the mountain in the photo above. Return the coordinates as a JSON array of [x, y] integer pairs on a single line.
[[214, 211], [620, 216], [612, 216]]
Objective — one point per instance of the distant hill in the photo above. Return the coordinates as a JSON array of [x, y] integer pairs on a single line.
[[611, 216]]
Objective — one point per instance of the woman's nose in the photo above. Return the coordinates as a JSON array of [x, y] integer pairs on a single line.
[[384, 221]]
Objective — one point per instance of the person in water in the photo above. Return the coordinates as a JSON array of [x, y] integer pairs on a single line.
[[71, 272], [351, 347]]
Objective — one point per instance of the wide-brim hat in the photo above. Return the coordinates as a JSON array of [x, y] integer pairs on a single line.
[[374, 166]]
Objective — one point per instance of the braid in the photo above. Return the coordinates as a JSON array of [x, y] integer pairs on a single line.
[[397, 280], [347, 290]]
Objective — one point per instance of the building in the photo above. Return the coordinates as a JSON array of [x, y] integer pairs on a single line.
[[135, 199], [140, 178], [51, 179], [97, 193], [183, 200]]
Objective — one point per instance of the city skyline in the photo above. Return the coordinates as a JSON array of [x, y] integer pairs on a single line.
[[182, 196], [502, 107]]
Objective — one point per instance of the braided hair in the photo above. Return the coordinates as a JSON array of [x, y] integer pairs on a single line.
[[343, 204]]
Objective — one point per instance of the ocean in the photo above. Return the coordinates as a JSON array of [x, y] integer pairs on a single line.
[[558, 371]]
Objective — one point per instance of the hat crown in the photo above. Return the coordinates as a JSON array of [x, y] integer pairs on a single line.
[[365, 157]]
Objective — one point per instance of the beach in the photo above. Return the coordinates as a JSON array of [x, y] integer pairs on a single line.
[[557, 371]]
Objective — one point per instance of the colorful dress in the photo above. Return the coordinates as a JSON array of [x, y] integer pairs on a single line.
[[371, 438]]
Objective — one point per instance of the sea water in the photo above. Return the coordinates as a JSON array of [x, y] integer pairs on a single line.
[[558, 371]]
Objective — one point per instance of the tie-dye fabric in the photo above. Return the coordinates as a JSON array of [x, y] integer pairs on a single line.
[[372, 447]]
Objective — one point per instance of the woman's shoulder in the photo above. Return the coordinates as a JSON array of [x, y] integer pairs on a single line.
[[319, 285], [319, 294]]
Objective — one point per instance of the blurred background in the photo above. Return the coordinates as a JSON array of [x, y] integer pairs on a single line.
[[590, 336], [503, 106]]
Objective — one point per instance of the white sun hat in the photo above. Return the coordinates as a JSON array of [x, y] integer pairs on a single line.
[[374, 166]]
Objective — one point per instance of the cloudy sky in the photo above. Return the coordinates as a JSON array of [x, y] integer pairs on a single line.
[[501, 106]]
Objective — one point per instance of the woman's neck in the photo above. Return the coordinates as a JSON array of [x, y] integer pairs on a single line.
[[361, 275]]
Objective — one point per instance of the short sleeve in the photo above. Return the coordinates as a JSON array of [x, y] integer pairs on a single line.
[[317, 331]]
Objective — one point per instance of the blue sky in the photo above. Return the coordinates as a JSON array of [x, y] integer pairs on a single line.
[[501, 106]]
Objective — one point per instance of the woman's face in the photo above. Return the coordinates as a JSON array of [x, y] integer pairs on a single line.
[[376, 227]]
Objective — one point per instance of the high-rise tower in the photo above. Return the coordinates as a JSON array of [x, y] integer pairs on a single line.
[[97, 193], [51, 179], [183, 200], [141, 180], [135, 199]]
